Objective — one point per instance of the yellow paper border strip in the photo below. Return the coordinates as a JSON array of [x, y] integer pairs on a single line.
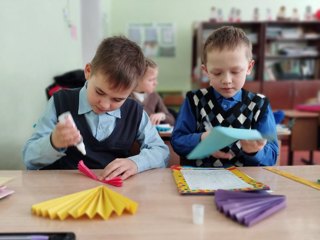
[[294, 177]]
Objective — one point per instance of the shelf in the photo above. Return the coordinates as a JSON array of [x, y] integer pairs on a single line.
[[301, 39], [273, 57]]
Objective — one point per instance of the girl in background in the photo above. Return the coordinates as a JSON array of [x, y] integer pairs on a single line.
[[152, 102]]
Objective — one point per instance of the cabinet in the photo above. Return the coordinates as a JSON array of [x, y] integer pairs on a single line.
[[285, 94], [280, 94], [291, 50]]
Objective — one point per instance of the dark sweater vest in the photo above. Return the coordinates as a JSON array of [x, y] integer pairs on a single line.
[[244, 114], [99, 153]]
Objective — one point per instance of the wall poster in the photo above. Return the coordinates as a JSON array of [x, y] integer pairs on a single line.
[[155, 39]]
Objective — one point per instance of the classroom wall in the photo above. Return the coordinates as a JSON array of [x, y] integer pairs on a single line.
[[36, 44]]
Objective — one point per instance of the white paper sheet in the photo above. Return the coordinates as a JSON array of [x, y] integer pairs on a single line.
[[213, 179]]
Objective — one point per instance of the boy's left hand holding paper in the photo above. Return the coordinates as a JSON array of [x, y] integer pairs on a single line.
[[217, 154], [252, 146], [223, 155], [120, 167]]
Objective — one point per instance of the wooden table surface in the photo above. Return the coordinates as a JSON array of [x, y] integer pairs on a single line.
[[162, 212]]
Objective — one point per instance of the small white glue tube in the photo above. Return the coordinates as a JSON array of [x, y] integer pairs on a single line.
[[63, 118], [197, 214]]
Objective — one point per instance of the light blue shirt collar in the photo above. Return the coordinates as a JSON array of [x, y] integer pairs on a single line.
[[84, 106], [237, 97]]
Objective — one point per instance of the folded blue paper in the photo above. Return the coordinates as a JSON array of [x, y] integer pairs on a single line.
[[248, 208], [220, 137]]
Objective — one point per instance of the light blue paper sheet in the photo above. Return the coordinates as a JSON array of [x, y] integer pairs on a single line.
[[220, 137]]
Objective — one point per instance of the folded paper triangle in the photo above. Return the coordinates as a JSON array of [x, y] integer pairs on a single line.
[[116, 181], [96, 201], [248, 208]]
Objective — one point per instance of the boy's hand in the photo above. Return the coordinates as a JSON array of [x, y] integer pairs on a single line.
[[218, 154], [157, 118], [122, 167], [204, 135], [223, 155], [252, 146], [65, 135]]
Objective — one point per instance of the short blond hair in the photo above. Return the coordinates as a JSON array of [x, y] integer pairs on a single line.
[[226, 37]]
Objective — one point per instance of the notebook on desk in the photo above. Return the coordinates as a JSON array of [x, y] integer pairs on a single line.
[[208, 180]]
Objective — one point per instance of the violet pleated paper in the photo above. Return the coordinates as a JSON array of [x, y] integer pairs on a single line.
[[248, 208]]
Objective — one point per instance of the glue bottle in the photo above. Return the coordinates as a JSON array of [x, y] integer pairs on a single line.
[[63, 118]]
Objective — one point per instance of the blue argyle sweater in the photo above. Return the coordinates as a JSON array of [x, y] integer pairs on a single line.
[[244, 114]]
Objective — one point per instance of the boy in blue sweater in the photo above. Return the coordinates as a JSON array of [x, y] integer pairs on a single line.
[[105, 119], [227, 60]]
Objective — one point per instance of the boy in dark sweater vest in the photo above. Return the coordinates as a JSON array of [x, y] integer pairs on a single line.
[[226, 60], [105, 119]]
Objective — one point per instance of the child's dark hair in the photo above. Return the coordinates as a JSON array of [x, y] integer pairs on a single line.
[[121, 60], [227, 37]]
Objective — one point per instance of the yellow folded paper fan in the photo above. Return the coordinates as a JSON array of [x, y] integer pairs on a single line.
[[96, 201]]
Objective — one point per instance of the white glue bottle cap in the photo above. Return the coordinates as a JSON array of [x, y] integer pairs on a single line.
[[197, 214]]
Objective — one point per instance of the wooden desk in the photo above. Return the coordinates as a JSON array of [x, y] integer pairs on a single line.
[[283, 133], [162, 212], [304, 133]]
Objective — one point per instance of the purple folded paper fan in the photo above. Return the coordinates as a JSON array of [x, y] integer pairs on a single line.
[[248, 208]]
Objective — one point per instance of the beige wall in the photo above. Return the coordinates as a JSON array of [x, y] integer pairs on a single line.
[[35, 46]]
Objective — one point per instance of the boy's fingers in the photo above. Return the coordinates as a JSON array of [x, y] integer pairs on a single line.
[[262, 142], [106, 172], [115, 173], [126, 175], [112, 170], [119, 167], [252, 146], [223, 155]]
